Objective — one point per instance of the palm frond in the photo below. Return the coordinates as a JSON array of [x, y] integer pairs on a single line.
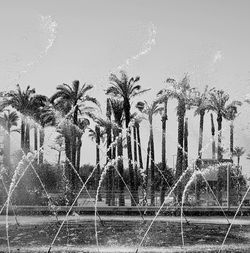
[[139, 93], [91, 99]]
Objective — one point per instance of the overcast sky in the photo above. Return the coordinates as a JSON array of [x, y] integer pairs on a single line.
[[46, 43]]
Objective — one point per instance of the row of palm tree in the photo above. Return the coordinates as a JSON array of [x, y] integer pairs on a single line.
[[71, 110]]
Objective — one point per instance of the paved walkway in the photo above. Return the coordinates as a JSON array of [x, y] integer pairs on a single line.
[[79, 218], [114, 249]]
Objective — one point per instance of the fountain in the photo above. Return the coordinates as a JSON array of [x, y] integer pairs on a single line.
[[139, 238]]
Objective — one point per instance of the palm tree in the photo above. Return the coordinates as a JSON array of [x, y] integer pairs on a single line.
[[97, 135], [23, 102], [231, 114], [44, 116], [213, 134], [238, 152], [138, 163], [184, 95], [202, 104], [117, 109], [109, 154], [217, 103], [72, 101], [82, 125], [125, 88], [7, 121], [150, 110], [185, 145], [164, 96], [65, 129]]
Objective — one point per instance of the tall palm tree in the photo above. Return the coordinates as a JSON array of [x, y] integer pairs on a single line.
[[238, 152], [7, 121], [24, 102], [164, 96], [97, 135], [72, 100], [231, 114], [185, 145], [201, 103], [42, 116], [213, 135], [135, 163], [107, 125], [126, 89], [184, 94], [117, 110], [150, 110], [109, 153], [138, 163], [82, 125], [65, 129], [218, 103]]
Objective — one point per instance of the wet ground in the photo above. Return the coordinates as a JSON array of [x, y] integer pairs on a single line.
[[124, 234]]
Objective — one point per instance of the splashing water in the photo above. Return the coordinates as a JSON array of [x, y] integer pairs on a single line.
[[49, 26]]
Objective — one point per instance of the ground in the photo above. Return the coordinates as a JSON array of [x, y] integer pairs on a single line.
[[124, 234]]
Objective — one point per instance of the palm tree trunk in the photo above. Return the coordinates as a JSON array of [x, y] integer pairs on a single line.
[[219, 121], [228, 168], [185, 153], [98, 170], [179, 159], [78, 159], [197, 182], [129, 149], [109, 174], [152, 168], [163, 154], [6, 160], [213, 136], [231, 139], [109, 155], [23, 134], [139, 146], [120, 168], [68, 156], [68, 171], [74, 147], [113, 170], [59, 158], [130, 166], [36, 141], [219, 154], [27, 138], [144, 188], [41, 143], [136, 166], [147, 169], [35, 138], [202, 114]]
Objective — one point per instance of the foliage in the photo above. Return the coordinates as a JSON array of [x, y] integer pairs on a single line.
[[30, 190], [168, 174], [85, 171]]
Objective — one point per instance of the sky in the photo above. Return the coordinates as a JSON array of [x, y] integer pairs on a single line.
[[47, 43]]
